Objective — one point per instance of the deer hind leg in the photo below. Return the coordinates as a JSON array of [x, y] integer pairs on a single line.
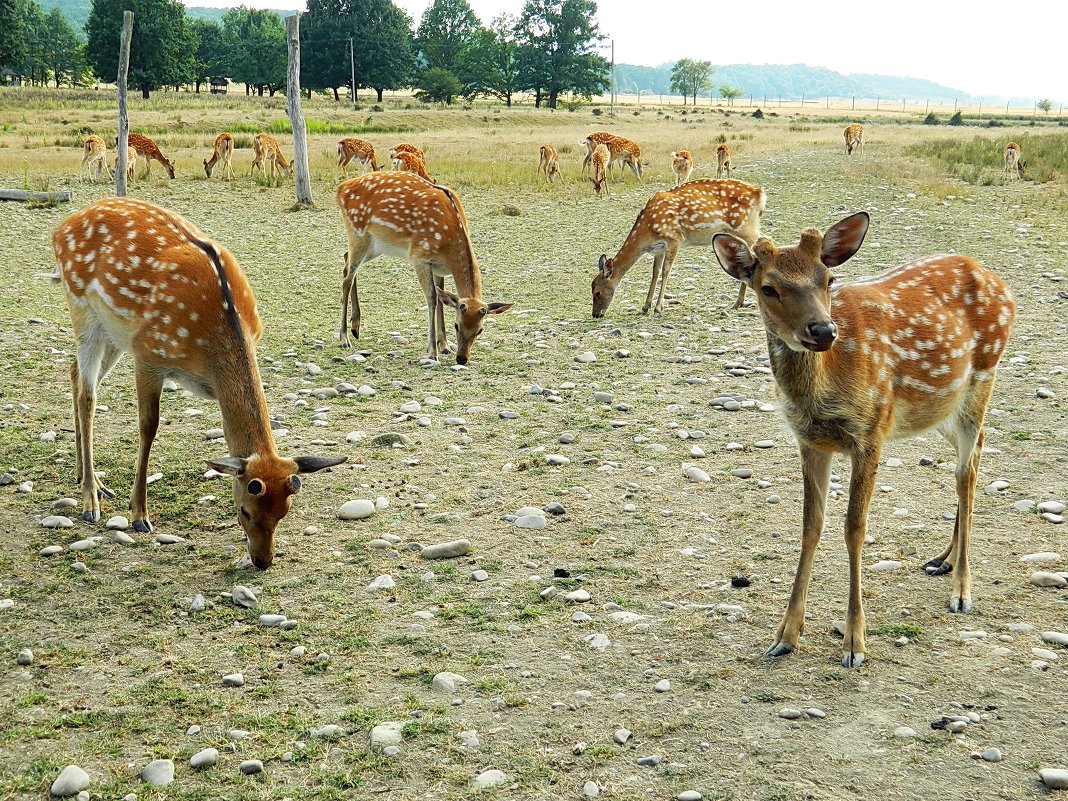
[[439, 319], [359, 247], [95, 359], [816, 472], [149, 388], [658, 261], [741, 295]]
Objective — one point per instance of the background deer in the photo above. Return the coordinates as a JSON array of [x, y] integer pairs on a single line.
[[682, 166], [549, 163], [148, 150], [407, 161], [142, 280], [404, 147], [1013, 165], [95, 159], [131, 160], [599, 162], [854, 138], [723, 161], [898, 354], [400, 214], [265, 148], [685, 216], [222, 150], [625, 151], [360, 149]]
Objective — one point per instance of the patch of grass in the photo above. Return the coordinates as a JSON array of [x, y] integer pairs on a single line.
[[980, 160]]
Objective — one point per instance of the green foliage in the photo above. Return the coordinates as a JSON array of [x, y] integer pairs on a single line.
[[212, 56], [1045, 105], [163, 47], [730, 94], [557, 44], [930, 119], [957, 119], [980, 160], [254, 42], [12, 49], [63, 51], [689, 78], [437, 85], [490, 64], [448, 29]]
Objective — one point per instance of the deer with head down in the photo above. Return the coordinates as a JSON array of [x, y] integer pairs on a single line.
[[913, 349]]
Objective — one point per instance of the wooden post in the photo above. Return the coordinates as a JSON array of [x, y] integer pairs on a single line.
[[296, 116], [65, 196], [123, 141]]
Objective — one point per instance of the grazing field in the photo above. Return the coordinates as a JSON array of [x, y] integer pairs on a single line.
[[127, 665]]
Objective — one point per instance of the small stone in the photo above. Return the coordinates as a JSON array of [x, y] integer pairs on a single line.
[[383, 582], [159, 772], [648, 761], [531, 521], [662, 686], [1055, 638], [356, 510], [1040, 558], [591, 789], [117, 523], [764, 443], [25, 657], [272, 621], [71, 781], [51, 550], [992, 754], [489, 778], [585, 357], [556, 460], [689, 795], [1045, 579], [1053, 507], [885, 565], [57, 521], [789, 714], [904, 733], [579, 596], [620, 736], [446, 550], [331, 731], [390, 733], [813, 712], [204, 759], [233, 680], [251, 766], [479, 575], [169, 539], [243, 596], [1054, 778], [447, 682], [697, 475]]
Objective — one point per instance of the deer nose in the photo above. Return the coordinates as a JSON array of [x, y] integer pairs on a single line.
[[461, 359], [823, 332]]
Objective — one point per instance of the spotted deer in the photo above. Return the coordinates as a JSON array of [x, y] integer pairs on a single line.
[[724, 163], [149, 151], [406, 161], [142, 280], [599, 162], [682, 166], [222, 150], [1013, 165], [400, 214], [94, 159], [549, 163], [265, 148], [854, 138], [626, 152], [131, 160], [359, 149], [404, 147], [913, 349], [686, 216]]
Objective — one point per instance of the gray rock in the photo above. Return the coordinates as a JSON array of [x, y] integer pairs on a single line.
[[904, 733], [251, 766], [689, 795], [1042, 557], [662, 686], [117, 523], [1053, 507], [331, 731], [1054, 778], [51, 550], [169, 539], [389, 439], [204, 759], [57, 521], [272, 621], [356, 510], [71, 781], [648, 761], [489, 778], [383, 582], [1056, 638], [82, 545], [585, 357], [159, 772], [25, 657], [533, 521], [789, 714], [446, 682], [384, 735], [620, 736], [1043, 578], [591, 789], [446, 550], [992, 755], [479, 575], [243, 596], [233, 680], [696, 474]]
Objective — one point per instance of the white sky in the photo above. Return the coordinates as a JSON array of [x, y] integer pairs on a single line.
[[999, 49]]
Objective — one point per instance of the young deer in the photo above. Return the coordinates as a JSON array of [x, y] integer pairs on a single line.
[[1013, 165], [404, 147], [400, 214], [148, 150], [131, 160], [360, 149], [266, 148], [723, 161], [599, 162], [685, 216], [682, 166], [854, 138], [549, 163], [885, 357], [142, 280], [222, 150], [625, 151], [407, 161], [95, 159]]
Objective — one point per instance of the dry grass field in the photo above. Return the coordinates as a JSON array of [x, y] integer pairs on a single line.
[[126, 669]]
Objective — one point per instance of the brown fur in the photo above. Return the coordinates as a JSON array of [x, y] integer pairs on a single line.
[[625, 151], [724, 162], [549, 163], [406, 161], [222, 150], [94, 159], [360, 149], [854, 138], [682, 166], [147, 149], [266, 148]]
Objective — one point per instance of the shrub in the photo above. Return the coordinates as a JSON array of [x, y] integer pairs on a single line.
[[758, 115], [930, 119], [957, 119], [597, 112]]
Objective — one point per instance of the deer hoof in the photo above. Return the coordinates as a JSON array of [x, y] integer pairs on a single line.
[[852, 659], [91, 515], [779, 649], [104, 492], [142, 526], [938, 567], [960, 605]]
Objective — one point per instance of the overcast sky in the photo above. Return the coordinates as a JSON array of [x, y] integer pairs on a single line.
[[1000, 49]]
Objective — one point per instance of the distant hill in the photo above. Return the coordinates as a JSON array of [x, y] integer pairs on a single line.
[[790, 81], [77, 11]]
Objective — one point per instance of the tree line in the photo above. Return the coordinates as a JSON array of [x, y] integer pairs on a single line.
[[549, 50]]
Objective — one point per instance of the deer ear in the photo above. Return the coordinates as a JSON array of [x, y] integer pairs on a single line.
[[844, 238], [231, 465], [604, 266], [498, 308], [313, 464], [734, 256], [447, 298]]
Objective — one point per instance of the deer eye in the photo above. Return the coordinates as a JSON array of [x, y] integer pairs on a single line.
[[769, 291], [255, 487]]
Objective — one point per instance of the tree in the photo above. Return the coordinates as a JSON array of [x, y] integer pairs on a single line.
[[730, 94], [162, 49], [690, 78], [63, 51], [490, 64], [1046, 105], [382, 40], [12, 42], [32, 28], [438, 85], [256, 50], [557, 42], [211, 57], [447, 29]]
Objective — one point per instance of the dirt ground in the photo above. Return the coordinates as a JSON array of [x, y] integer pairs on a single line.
[[122, 669]]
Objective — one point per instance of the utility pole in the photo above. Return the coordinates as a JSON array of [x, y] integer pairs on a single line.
[[352, 64]]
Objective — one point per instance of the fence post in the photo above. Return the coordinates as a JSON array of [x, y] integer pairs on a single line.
[[296, 116], [123, 141]]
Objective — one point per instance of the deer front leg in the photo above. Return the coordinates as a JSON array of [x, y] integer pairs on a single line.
[[741, 296], [426, 281], [439, 319], [149, 388], [861, 485], [816, 474], [658, 261], [665, 273], [967, 472]]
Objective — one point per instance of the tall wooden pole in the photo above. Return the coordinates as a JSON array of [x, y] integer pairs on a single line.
[[122, 143], [296, 116]]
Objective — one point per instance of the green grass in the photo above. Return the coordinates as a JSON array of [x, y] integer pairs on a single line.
[[980, 160]]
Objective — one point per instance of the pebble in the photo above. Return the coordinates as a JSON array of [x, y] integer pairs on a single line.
[[386, 734], [579, 596], [1046, 579], [689, 795], [57, 521], [531, 521], [556, 460], [159, 772], [51, 550], [591, 789], [479, 575], [446, 550], [71, 781], [447, 682], [648, 761], [169, 539], [388, 439], [117, 523], [885, 565], [204, 759], [764, 443], [662, 686], [789, 714], [1041, 558], [904, 733], [1055, 638], [585, 357], [383, 582], [489, 778], [598, 642], [122, 538], [1054, 778], [233, 680], [243, 596], [251, 766], [272, 621], [620, 736], [82, 545], [696, 474], [1053, 507], [356, 510], [25, 657], [992, 754], [331, 731]]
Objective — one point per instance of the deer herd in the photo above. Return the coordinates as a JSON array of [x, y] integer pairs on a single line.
[[857, 364]]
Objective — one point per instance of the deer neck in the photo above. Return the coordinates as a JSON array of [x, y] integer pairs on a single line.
[[238, 388], [465, 272], [800, 375], [633, 248]]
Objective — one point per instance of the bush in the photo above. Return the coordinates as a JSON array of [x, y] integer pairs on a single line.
[[957, 119], [758, 115], [995, 124], [597, 112], [930, 119]]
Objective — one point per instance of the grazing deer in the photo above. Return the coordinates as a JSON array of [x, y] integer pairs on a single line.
[[724, 161], [682, 166], [95, 159], [406, 161], [148, 150], [885, 357], [854, 138], [222, 150], [1013, 165], [131, 160], [266, 148], [400, 214], [599, 162], [549, 163], [685, 216], [625, 151], [404, 147], [360, 149], [142, 280]]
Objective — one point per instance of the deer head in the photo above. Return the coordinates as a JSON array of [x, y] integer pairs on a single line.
[[470, 314]]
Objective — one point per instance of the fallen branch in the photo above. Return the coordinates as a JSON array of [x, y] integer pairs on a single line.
[[48, 197]]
